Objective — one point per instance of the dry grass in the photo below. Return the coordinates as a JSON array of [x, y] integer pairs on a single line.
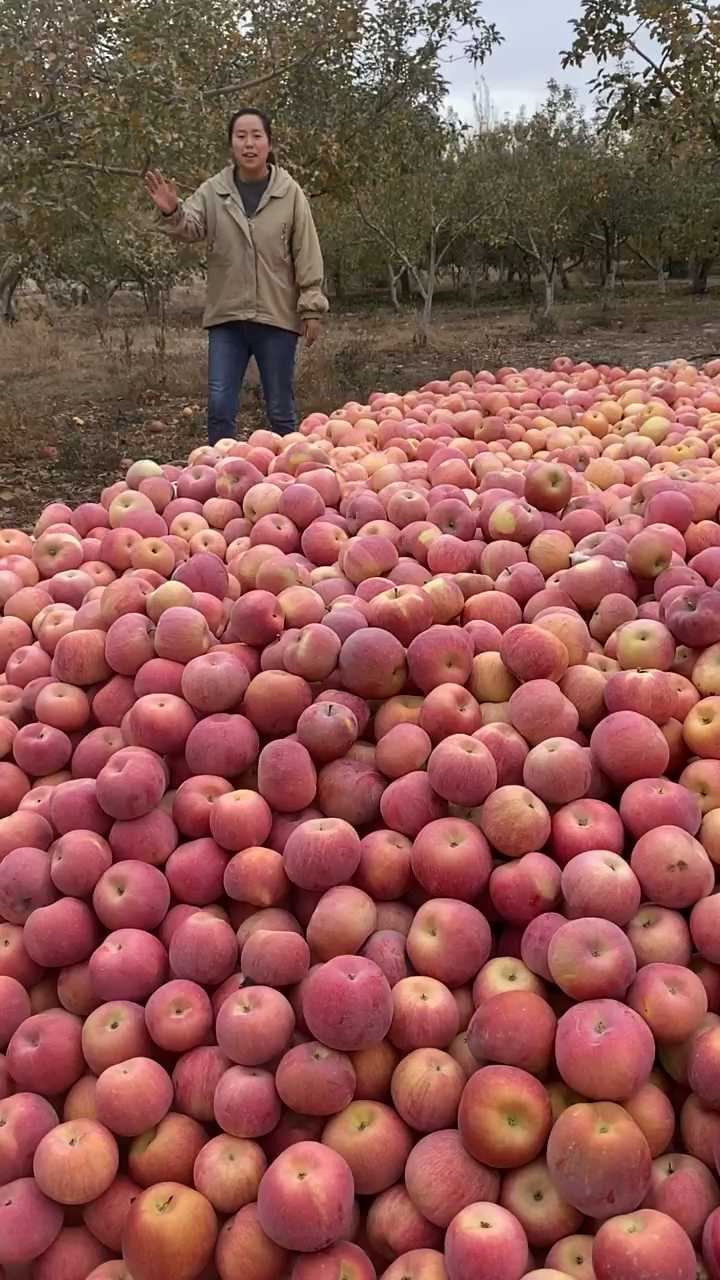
[[78, 395]]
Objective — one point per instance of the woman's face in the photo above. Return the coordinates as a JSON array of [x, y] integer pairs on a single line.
[[250, 145]]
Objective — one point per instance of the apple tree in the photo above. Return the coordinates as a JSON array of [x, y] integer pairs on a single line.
[[656, 58], [543, 174], [92, 94], [422, 197]]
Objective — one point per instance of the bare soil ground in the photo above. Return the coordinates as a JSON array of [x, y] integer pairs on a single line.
[[80, 395]]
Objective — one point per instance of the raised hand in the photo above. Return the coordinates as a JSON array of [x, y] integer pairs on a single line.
[[162, 193]]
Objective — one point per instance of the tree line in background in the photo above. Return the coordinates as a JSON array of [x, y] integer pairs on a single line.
[[404, 195]]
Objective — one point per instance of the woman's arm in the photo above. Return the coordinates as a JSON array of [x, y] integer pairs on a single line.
[[184, 220], [308, 262]]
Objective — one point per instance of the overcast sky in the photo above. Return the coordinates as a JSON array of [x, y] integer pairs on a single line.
[[535, 32]]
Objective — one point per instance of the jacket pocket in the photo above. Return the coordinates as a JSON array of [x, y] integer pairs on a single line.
[[218, 253]]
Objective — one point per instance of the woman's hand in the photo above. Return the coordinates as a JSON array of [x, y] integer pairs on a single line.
[[163, 194], [311, 332]]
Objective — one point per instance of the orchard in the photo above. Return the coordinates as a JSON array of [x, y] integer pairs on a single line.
[[359, 833]]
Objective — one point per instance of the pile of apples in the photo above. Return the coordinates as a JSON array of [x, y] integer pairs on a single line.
[[359, 833]]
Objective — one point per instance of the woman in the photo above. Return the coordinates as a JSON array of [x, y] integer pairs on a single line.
[[264, 271]]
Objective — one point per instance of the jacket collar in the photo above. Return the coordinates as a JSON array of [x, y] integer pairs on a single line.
[[224, 183]]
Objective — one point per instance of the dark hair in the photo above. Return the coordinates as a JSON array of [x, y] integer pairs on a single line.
[[253, 111]]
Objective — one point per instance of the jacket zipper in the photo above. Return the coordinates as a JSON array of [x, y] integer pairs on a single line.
[[255, 258]]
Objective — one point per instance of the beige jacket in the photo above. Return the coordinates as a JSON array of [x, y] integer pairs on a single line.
[[268, 268]]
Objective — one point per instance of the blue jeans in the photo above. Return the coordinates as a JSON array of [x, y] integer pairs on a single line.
[[230, 348]]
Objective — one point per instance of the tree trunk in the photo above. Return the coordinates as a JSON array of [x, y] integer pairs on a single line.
[[422, 327], [392, 285], [549, 277], [405, 285], [564, 278], [699, 274], [660, 272], [473, 281], [101, 294], [611, 266], [9, 281], [610, 283], [338, 285], [152, 293]]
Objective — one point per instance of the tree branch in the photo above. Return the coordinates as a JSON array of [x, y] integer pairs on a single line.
[[641, 256], [396, 249], [461, 231], [572, 266], [100, 168], [117, 170], [13, 130], [672, 88], [208, 95], [371, 119], [654, 66], [534, 253], [379, 231]]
